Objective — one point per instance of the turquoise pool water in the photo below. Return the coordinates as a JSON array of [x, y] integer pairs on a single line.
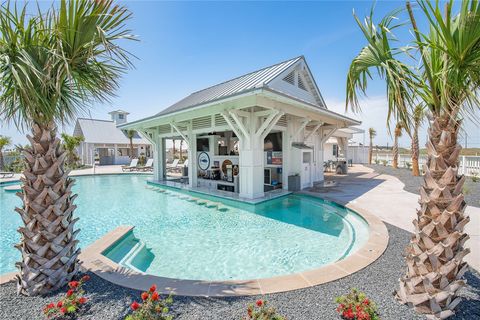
[[178, 238]]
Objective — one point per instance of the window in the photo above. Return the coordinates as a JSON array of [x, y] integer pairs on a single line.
[[121, 116], [335, 150], [290, 78]]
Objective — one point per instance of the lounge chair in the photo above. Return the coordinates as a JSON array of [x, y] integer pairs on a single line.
[[132, 166], [6, 174], [148, 166], [173, 166]]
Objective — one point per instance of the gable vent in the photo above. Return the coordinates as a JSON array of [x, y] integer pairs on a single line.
[[290, 78], [301, 85]]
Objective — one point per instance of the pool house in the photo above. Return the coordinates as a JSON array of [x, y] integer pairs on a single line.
[[263, 131]]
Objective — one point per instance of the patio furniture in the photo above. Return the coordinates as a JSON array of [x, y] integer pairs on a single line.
[[6, 174], [132, 166], [148, 166], [173, 166]]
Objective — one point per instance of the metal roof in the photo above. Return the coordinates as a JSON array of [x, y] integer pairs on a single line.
[[249, 81], [104, 131]]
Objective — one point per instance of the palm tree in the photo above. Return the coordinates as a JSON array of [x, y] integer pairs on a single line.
[[444, 75], [397, 134], [181, 145], [53, 65], [417, 120], [4, 141], [173, 151], [372, 133], [70, 144], [130, 135]]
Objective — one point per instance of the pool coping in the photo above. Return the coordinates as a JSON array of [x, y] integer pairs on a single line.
[[94, 261]]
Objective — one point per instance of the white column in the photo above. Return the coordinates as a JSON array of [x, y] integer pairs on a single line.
[[286, 149], [192, 160], [158, 158], [251, 168]]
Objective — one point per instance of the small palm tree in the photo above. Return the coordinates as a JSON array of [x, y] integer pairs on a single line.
[[53, 65], [417, 120], [444, 75], [130, 134], [181, 146], [397, 134], [4, 141], [372, 133], [70, 144]]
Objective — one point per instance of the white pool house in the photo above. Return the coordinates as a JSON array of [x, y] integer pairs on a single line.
[[260, 132]]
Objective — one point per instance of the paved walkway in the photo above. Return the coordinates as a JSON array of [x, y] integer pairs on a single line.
[[383, 195]]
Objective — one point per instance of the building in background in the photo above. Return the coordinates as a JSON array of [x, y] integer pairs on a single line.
[[106, 144]]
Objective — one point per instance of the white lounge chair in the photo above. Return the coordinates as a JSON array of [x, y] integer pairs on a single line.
[[132, 166], [173, 166], [6, 174], [148, 166]]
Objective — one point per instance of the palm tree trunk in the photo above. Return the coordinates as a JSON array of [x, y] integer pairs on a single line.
[[395, 153], [435, 253], [1, 160], [131, 148], [48, 244], [415, 153], [370, 152]]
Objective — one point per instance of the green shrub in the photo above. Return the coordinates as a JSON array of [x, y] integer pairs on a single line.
[[475, 176], [356, 306], [260, 311], [384, 162], [152, 307]]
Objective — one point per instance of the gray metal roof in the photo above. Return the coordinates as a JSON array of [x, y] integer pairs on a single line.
[[104, 131], [249, 81]]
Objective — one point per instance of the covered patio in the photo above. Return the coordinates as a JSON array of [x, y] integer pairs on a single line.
[[258, 133]]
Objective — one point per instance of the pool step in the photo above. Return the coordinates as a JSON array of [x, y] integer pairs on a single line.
[[127, 259]]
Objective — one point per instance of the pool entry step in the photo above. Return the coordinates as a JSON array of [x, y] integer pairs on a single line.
[[200, 201]]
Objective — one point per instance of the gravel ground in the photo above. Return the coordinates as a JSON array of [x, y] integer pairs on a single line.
[[412, 184], [108, 301]]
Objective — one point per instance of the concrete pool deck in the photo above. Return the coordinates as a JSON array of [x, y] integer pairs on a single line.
[[384, 196]]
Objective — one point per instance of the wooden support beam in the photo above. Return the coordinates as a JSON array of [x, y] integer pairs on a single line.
[[241, 113], [240, 125], [302, 126], [272, 114], [174, 126], [329, 134], [313, 131], [271, 125], [232, 126], [146, 135]]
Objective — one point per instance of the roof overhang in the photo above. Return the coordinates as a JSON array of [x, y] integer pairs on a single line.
[[262, 97]]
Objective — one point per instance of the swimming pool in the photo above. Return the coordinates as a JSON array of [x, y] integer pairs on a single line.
[[176, 236]]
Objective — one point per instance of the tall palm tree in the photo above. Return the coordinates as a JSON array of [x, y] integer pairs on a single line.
[[181, 146], [53, 65], [418, 116], [4, 141], [173, 151], [397, 133], [444, 74], [372, 133], [130, 135], [70, 144]]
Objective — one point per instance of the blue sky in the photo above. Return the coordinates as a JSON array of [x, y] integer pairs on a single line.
[[186, 46]]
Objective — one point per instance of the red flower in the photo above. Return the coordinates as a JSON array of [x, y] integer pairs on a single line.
[[348, 314], [366, 301], [82, 300], [69, 292], [59, 304], [259, 303], [155, 296], [63, 310], [135, 305], [86, 278], [144, 296], [51, 305], [73, 284], [249, 311], [153, 288]]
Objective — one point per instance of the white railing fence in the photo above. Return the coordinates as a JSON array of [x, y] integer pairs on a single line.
[[468, 165]]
